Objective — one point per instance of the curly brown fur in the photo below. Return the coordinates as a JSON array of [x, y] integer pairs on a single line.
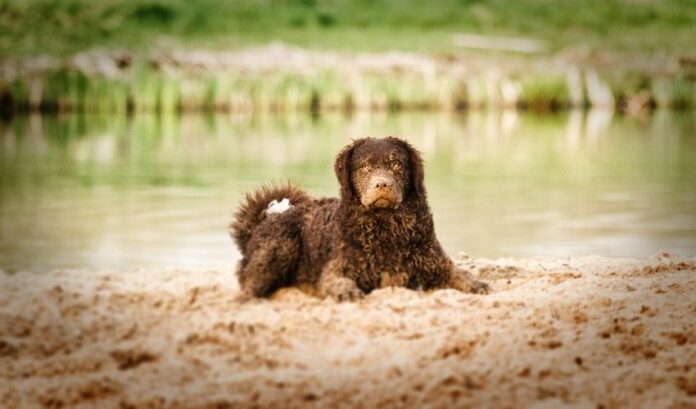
[[379, 232], [253, 210]]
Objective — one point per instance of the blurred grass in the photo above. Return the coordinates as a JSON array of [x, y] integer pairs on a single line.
[[649, 60], [61, 27], [142, 88]]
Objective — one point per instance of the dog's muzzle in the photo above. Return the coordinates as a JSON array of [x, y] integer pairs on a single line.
[[381, 192]]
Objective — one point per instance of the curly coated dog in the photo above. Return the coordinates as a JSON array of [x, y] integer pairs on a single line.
[[379, 232]]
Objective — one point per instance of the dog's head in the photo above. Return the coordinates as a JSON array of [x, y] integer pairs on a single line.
[[380, 173]]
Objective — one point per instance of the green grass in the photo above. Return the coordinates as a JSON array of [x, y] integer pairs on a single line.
[[62, 27], [144, 89], [544, 93], [657, 30]]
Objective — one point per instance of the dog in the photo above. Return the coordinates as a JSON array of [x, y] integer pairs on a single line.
[[378, 233]]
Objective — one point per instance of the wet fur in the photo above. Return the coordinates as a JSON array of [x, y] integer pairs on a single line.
[[338, 246]]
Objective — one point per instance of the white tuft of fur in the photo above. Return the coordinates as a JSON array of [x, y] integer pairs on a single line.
[[278, 207]]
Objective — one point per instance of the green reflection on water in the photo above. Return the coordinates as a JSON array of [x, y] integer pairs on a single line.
[[123, 192]]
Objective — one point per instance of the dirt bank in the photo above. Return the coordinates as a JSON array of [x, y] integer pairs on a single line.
[[591, 332]]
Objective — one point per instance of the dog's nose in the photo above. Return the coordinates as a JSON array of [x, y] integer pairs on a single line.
[[382, 183]]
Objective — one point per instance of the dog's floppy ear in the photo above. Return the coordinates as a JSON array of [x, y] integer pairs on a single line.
[[342, 169], [417, 172]]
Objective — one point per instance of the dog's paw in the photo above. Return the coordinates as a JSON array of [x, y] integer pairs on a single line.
[[243, 297], [463, 281], [353, 294], [342, 289], [479, 287]]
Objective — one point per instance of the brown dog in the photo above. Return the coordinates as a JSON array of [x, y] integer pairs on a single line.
[[379, 233]]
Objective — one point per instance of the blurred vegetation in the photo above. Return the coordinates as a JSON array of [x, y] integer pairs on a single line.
[[131, 55], [59, 27], [142, 88]]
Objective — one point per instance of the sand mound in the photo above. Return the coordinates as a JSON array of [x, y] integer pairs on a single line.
[[590, 332]]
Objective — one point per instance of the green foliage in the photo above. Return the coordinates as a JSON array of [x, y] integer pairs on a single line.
[[66, 26], [674, 93], [143, 88], [543, 93]]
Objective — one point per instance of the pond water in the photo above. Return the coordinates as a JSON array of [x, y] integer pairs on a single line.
[[116, 192]]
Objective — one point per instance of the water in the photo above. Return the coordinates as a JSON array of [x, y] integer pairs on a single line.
[[121, 193]]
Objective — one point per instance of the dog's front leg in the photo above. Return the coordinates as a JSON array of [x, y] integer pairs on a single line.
[[333, 283], [434, 270]]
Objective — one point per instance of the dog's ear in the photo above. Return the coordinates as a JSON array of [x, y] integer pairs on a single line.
[[417, 173], [343, 171]]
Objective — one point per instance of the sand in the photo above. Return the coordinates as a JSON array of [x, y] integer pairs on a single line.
[[587, 332]]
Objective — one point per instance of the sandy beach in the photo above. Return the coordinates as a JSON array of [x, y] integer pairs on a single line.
[[586, 332]]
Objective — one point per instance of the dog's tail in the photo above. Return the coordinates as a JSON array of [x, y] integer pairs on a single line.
[[254, 207]]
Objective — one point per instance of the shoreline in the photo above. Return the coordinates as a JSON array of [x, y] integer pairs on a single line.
[[584, 331], [282, 78]]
